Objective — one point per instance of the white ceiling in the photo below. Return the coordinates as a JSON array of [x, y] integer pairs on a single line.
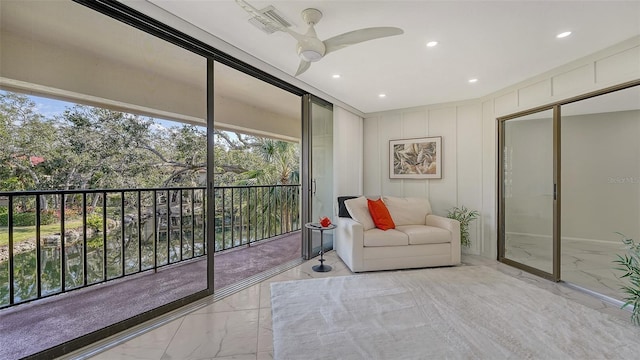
[[498, 42]]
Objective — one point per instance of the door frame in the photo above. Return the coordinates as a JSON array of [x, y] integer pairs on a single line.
[[555, 181], [306, 169], [557, 168]]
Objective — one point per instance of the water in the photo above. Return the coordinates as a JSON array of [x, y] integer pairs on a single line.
[[135, 257]]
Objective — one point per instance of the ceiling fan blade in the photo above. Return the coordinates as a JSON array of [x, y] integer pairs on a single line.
[[304, 65], [357, 36]]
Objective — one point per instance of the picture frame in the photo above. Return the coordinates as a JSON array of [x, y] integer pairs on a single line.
[[417, 158]]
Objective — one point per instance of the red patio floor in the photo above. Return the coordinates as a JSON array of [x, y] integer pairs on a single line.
[[33, 327]]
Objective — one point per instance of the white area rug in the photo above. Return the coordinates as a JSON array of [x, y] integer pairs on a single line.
[[468, 312]]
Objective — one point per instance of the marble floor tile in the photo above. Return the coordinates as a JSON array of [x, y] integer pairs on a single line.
[[213, 335], [148, 346], [235, 357], [239, 326], [246, 299], [264, 355], [265, 331], [586, 263], [265, 296]]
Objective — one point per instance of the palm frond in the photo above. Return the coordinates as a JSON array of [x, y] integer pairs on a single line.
[[630, 266]]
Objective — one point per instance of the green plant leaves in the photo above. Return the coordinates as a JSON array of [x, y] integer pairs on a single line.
[[630, 266], [465, 217]]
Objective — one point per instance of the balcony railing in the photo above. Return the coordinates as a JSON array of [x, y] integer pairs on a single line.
[[53, 242]]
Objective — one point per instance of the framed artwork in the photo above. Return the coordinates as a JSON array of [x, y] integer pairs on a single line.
[[419, 158]]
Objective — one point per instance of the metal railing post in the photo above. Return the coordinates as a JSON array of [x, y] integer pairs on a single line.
[[38, 249], [63, 247], [11, 264], [255, 214]]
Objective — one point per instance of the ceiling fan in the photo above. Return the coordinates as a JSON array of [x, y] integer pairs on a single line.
[[310, 48]]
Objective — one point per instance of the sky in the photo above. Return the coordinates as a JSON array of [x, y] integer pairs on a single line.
[[51, 107]]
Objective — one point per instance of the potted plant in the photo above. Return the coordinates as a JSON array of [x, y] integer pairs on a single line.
[[630, 265], [464, 216]]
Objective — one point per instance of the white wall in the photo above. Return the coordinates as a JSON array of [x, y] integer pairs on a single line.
[[78, 75], [230, 114], [461, 183], [347, 152], [601, 176], [469, 131]]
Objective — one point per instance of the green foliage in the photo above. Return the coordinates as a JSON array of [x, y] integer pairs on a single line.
[[94, 221], [630, 265], [94, 148], [27, 218], [4, 216], [465, 217]]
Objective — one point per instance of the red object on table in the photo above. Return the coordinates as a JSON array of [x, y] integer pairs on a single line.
[[325, 221]]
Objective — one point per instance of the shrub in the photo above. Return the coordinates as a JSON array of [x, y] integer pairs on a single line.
[[94, 221], [28, 218], [630, 265], [464, 216], [4, 216]]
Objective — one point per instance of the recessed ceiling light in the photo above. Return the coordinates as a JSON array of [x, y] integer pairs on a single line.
[[336, 76], [382, 95], [432, 43], [563, 34], [473, 80]]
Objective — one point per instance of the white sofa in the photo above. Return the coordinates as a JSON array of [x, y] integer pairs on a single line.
[[420, 238]]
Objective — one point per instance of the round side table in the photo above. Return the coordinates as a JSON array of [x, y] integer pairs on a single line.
[[316, 226]]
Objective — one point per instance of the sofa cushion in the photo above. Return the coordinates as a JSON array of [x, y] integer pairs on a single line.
[[377, 237], [407, 211], [359, 210], [342, 210], [380, 214], [422, 234]]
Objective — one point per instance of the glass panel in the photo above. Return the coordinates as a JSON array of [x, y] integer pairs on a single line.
[[99, 115], [528, 190], [322, 172], [50, 244], [114, 236], [148, 229], [95, 239], [132, 238], [25, 251], [74, 249], [257, 137], [600, 187]]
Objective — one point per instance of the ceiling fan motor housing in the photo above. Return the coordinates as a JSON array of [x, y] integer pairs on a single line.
[[311, 49]]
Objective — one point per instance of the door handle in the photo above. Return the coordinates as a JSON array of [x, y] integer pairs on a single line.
[[313, 187]]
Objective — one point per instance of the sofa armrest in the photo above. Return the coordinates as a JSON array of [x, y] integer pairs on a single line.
[[349, 243], [454, 227]]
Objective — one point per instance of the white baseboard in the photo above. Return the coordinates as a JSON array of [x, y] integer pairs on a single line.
[[570, 238]]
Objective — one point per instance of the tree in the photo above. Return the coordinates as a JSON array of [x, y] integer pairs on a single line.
[[25, 135], [187, 161], [283, 162], [88, 148]]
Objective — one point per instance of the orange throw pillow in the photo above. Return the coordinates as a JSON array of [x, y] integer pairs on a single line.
[[380, 214]]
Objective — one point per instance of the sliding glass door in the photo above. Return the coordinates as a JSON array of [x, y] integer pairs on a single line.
[[103, 183], [584, 151], [601, 192], [317, 171], [528, 196]]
